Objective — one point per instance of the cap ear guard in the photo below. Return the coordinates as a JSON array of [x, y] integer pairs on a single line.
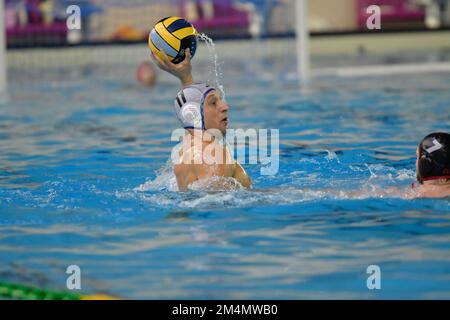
[[190, 113], [189, 106], [425, 167]]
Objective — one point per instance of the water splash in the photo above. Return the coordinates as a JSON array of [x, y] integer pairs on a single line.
[[212, 50], [165, 180], [217, 184], [331, 156]]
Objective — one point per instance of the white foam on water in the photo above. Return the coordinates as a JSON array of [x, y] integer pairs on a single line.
[[217, 70], [382, 173], [165, 180], [331, 156], [250, 198], [216, 184]]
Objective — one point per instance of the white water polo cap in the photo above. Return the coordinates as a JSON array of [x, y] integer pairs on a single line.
[[189, 105]]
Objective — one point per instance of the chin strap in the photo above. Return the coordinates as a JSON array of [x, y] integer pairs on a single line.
[[435, 178], [202, 102]]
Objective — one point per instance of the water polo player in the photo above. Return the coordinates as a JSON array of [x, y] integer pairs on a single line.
[[203, 113], [433, 166], [146, 74]]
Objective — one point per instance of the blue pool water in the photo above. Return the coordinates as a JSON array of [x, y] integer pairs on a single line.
[[84, 181]]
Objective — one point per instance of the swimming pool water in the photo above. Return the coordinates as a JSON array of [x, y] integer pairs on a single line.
[[84, 181]]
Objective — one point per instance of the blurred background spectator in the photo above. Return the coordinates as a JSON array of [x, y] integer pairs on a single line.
[[42, 22], [146, 74]]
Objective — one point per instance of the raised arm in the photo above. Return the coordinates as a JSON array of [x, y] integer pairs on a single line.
[[182, 70]]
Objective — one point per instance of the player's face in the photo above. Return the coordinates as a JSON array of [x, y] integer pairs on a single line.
[[215, 112]]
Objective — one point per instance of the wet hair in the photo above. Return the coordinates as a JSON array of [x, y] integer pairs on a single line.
[[434, 157]]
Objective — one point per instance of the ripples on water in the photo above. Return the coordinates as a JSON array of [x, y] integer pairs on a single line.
[[84, 180]]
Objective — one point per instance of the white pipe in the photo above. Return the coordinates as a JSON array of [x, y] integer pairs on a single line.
[[384, 70], [302, 36], [3, 84]]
